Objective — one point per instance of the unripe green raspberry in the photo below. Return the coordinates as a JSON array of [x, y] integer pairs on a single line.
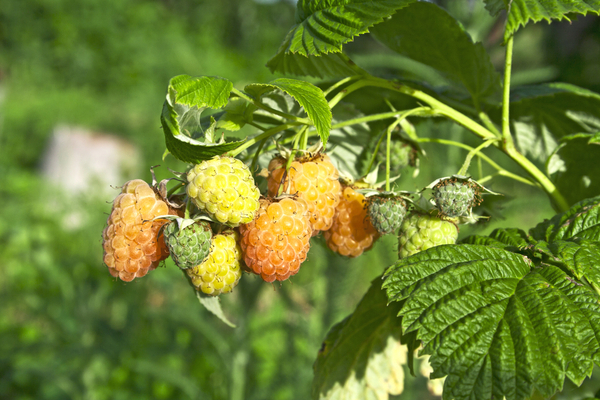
[[223, 187], [454, 198], [422, 231], [221, 271], [386, 213], [188, 246]]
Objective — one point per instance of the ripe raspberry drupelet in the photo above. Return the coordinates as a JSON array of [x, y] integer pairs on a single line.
[[352, 232], [276, 242], [133, 244], [313, 179], [223, 187], [221, 271]]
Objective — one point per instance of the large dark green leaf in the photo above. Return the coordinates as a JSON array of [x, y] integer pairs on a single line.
[[306, 94], [494, 324], [523, 11], [574, 166], [506, 239], [321, 28], [362, 357], [581, 220], [542, 114], [187, 97], [426, 33]]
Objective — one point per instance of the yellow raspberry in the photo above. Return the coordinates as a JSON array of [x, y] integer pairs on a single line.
[[132, 242], [276, 242], [314, 180], [352, 232], [223, 187], [221, 271]]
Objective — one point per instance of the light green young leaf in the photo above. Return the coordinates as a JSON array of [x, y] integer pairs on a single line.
[[213, 304], [520, 12], [494, 324], [582, 220], [187, 97], [310, 97], [362, 356], [238, 112], [426, 33], [542, 114], [574, 167]]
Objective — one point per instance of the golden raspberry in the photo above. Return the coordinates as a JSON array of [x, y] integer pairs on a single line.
[[352, 232], [221, 271], [315, 180], [276, 242], [223, 187], [132, 242]]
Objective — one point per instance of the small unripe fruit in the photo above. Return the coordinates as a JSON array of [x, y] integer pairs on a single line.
[[188, 246], [386, 213], [454, 198], [422, 231]]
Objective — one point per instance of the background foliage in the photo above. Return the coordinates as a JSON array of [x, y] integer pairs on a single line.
[[67, 330]]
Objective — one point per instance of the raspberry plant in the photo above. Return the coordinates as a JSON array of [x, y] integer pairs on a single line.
[[510, 315]]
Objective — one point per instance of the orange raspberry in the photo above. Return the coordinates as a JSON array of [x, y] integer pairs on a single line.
[[352, 232], [275, 243], [133, 243], [315, 180]]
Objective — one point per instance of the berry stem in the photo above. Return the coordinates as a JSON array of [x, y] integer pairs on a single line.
[[419, 111], [465, 167], [340, 83], [506, 136], [266, 134], [387, 155], [258, 104], [501, 171]]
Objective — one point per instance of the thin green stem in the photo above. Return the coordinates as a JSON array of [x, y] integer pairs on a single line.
[[501, 171], [345, 92], [506, 94], [264, 135], [257, 154], [374, 155], [257, 103], [340, 83], [257, 126], [387, 156], [488, 123], [465, 167], [377, 117]]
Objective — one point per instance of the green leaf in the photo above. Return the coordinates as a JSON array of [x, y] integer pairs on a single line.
[[321, 28], [326, 65], [578, 256], [213, 304], [506, 239], [493, 323], [581, 220], [542, 114], [306, 94], [362, 356], [523, 11], [187, 97], [574, 166], [238, 112], [347, 143], [428, 34]]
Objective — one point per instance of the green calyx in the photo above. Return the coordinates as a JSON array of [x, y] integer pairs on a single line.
[[386, 213], [188, 241], [422, 231]]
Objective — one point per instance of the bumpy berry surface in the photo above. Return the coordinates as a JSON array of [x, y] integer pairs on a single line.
[[221, 271], [422, 231], [314, 180], [224, 188], [386, 213], [276, 242], [454, 198], [132, 242], [188, 246], [352, 232]]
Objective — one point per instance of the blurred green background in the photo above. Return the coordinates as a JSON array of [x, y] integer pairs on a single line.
[[67, 329]]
